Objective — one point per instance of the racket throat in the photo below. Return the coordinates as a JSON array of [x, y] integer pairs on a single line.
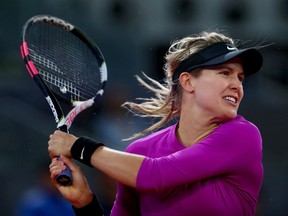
[[79, 106]]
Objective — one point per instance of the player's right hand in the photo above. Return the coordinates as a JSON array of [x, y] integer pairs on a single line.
[[78, 193]]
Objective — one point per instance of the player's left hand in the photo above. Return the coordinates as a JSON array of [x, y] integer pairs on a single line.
[[60, 143]]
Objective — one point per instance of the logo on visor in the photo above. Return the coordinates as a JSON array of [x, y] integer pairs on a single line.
[[231, 48]]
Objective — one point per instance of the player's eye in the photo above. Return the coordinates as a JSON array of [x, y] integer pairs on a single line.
[[241, 78], [225, 73]]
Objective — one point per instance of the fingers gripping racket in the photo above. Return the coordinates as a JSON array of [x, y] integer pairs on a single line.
[[66, 65]]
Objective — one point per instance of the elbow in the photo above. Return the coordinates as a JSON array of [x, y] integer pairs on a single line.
[[149, 177]]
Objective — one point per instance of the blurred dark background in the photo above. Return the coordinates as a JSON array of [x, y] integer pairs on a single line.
[[133, 36]]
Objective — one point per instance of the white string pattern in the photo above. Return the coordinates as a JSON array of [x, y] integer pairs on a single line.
[[65, 63], [64, 85]]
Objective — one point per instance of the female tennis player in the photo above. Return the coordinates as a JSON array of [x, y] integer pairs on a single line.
[[207, 163]]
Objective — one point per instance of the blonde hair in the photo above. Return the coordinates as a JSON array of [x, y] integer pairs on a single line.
[[167, 101]]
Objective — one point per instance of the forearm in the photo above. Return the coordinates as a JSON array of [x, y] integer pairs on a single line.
[[92, 208], [83, 201], [121, 166]]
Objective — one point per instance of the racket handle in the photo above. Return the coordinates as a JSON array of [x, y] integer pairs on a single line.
[[65, 177], [63, 128]]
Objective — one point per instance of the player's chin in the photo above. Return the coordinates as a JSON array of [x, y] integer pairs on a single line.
[[228, 115]]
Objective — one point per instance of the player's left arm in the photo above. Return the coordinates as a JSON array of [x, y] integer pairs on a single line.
[[220, 153]]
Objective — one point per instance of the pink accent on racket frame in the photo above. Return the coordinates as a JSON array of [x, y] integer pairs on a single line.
[[29, 65], [33, 69]]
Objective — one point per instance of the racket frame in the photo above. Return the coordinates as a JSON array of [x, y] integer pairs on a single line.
[[62, 122]]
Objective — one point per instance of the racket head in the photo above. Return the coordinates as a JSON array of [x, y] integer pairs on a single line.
[[67, 60]]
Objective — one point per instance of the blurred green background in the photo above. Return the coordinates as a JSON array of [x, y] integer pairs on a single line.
[[133, 36]]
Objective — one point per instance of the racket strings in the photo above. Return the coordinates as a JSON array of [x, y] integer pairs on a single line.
[[64, 62], [65, 85]]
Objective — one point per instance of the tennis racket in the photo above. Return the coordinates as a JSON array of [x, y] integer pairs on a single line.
[[67, 66]]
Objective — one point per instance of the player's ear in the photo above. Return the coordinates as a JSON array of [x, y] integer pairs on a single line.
[[186, 80]]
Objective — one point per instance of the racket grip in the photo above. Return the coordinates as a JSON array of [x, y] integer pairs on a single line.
[[65, 177]]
